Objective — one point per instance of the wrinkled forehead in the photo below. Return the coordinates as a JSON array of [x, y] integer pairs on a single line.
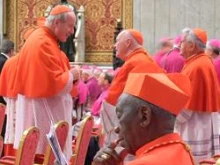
[[125, 109], [71, 17], [123, 102]]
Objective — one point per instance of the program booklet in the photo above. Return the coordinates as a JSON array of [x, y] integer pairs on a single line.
[[54, 144]]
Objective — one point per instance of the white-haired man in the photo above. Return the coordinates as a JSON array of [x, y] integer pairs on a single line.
[[43, 78], [129, 48], [198, 123]]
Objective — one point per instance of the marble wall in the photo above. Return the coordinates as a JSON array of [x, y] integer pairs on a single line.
[[161, 18]]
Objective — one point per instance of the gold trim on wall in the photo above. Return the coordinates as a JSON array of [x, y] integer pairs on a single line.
[[99, 57], [127, 14], [127, 22], [10, 17], [4, 17], [16, 24], [11, 20]]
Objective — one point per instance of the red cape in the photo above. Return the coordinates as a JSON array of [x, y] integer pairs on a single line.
[[41, 70], [7, 78], [137, 62], [205, 88]]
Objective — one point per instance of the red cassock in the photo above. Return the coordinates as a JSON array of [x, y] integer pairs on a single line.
[[137, 62]]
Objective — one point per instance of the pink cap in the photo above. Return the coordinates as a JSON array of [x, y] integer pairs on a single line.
[[177, 39], [214, 43], [93, 66], [97, 70], [86, 69]]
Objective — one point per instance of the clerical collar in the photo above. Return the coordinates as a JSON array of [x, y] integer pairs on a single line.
[[5, 55], [138, 50]]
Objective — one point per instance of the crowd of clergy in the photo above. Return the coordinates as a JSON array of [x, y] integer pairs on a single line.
[[161, 108]]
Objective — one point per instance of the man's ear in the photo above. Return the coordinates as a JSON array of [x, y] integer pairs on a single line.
[[192, 46], [128, 42], [145, 113], [56, 21]]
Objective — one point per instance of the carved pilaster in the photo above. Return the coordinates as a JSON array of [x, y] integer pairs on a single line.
[[127, 14], [80, 36]]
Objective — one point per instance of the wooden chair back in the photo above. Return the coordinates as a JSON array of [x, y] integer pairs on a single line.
[[101, 138], [82, 141], [1, 145], [27, 146], [61, 129], [2, 115]]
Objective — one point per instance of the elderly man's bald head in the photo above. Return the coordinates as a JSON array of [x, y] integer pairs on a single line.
[[128, 41], [133, 34]]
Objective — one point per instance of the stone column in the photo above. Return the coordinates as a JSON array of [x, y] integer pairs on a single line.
[[80, 36], [162, 18]]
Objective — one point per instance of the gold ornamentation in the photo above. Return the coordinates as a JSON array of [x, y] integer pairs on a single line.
[[11, 24], [95, 10], [188, 148], [99, 57], [106, 37], [4, 17], [22, 14], [116, 12], [127, 14]]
